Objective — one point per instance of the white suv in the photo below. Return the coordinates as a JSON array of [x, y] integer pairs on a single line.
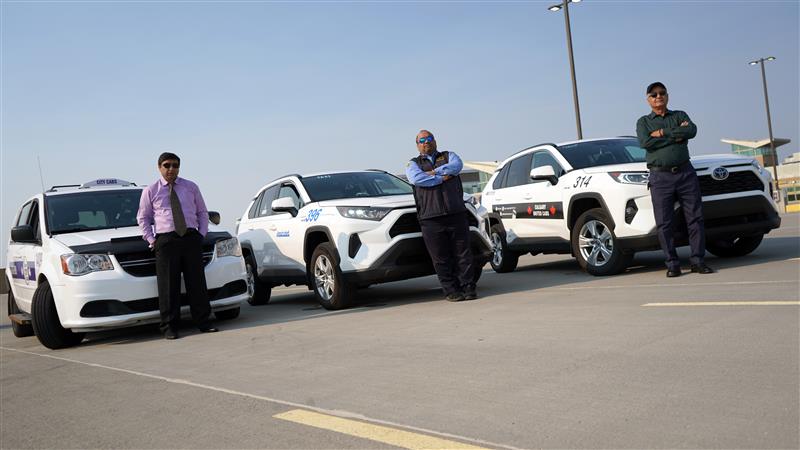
[[339, 231], [590, 198], [77, 263]]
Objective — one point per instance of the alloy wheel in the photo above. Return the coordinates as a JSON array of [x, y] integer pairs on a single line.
[[596, 243], [324, 277], [497, 249]]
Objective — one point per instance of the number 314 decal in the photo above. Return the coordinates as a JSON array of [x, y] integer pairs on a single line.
[[582, 181]]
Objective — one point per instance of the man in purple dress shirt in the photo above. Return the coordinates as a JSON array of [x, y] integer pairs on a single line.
[[174, 219]]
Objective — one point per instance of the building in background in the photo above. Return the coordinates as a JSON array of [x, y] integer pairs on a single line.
[[788, 183], [760, 150]]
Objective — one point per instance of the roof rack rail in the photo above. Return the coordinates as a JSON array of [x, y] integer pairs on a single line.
[[534, 146], [59, 186]]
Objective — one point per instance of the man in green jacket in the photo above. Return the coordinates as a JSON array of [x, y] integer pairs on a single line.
[[664, 134]]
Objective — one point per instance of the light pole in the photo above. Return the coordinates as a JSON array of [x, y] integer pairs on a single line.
[[565, 6], [760, 61]]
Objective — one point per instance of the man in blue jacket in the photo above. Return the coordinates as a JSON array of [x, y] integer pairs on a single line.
[[443, 216]]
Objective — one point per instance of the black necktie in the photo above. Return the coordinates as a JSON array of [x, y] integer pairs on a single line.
[[177, 211]]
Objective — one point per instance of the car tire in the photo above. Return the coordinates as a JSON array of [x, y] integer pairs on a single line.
[[258, 292], [503, 260], [328, 284], [732, 248], [47, 325], [18, 330], [594, 245], [227, 314]]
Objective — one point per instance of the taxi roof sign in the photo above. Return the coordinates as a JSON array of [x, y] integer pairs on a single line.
[[106, 182]]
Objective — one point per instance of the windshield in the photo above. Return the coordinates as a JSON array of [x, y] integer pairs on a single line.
[[354, 184], [87, 211], [602, 153]]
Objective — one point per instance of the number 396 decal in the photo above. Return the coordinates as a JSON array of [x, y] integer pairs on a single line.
[[313, 215]]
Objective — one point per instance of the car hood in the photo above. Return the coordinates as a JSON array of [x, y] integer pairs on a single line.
[[100, 239], [93, 237], [699, 162], [389, 201]]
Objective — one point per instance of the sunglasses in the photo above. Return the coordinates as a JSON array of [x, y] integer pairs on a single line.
[[655, 94], [170, 165], [425, 140]]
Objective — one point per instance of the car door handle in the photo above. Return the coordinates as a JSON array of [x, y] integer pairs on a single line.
[[272, 228]]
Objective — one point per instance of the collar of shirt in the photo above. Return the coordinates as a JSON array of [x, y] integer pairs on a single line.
[[164, 182], [653, 114]]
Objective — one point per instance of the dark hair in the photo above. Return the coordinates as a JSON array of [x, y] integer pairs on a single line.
[[166, 156], [655, 85]]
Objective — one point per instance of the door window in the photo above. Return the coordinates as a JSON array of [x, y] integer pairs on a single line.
[[265, 205], [22, 219], [519, 171]]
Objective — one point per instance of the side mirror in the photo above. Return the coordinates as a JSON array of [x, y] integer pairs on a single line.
[[23, 233], [545, 173], [284, 204], [213, 217]]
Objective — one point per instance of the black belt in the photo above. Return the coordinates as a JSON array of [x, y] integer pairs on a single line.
[[671, 169]]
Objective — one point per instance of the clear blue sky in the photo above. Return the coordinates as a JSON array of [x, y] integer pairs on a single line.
[[246, 92]]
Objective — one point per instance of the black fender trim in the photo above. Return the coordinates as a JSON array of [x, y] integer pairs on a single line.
[[317, 228], [594, 196]]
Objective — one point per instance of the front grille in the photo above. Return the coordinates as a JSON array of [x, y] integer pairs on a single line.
[[143, 264], [108, 308], [736, 182], [407, 223]]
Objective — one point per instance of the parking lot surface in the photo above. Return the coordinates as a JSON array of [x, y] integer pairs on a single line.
[[547, 357]]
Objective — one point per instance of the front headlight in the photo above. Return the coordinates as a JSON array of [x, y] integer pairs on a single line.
[[74, 264], [630, 177], [363, 212], [228, 247]]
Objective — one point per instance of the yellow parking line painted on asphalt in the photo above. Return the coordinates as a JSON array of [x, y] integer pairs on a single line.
[[378, 433], [742, 303]]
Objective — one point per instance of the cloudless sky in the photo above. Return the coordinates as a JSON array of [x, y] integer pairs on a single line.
[[246, 92]]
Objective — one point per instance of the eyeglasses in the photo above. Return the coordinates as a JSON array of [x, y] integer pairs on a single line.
[[655, 94], [171, 165], [425, 140]]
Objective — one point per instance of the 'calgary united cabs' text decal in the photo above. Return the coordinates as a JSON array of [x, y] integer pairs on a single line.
[[548, 210]]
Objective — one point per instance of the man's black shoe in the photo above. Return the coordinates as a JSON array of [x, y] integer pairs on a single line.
[[672, 273], [207, 329], [171, 334], [702, 268], [470, 294], [455, 297]]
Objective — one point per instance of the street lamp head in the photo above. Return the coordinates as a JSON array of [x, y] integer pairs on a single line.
[[770, 58], [554, 8], [574, 1], [753, 63]]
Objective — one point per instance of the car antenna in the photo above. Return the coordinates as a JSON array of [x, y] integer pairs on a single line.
[[41, 178]]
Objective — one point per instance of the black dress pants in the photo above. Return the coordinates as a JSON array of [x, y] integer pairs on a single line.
[[176, 255], [682, 186], [447, 239]]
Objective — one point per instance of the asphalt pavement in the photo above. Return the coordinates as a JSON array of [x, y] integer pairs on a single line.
[[547, 357]]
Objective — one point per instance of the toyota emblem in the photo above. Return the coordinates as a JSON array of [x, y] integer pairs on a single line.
[[719, 173]]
